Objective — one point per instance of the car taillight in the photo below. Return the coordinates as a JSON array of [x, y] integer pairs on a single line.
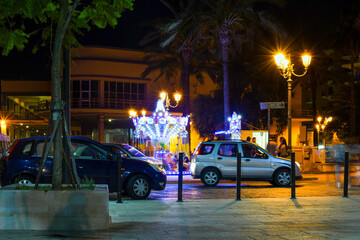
[[9, 151]]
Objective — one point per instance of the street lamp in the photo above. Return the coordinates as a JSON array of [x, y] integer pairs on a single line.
[[286, 69], [132, 113], [165, 97], [3, 127], [320, 126]]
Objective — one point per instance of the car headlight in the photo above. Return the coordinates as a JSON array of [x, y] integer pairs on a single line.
[[155, 167]]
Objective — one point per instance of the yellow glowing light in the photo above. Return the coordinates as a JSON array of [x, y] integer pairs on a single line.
[[163, 95], [3, 122], [306, 60], [319, 119], [143, 112], [317, 126], [279, 59], [177, 97], [132, 113]]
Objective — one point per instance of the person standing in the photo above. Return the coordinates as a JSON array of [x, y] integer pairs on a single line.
[[150, 150], [272, 148], [282, 149]]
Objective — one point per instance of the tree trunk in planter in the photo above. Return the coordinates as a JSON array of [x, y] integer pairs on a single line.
[[65, 16]]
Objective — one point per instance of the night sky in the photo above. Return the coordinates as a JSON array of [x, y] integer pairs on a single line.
[[306, 21]]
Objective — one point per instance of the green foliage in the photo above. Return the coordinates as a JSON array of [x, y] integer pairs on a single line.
[[12, 28], [87, 183], [17, 16], [11, 39]]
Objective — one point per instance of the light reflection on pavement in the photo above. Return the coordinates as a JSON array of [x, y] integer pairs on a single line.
[[249, 189]]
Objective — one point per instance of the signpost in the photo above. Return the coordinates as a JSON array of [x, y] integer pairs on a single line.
[[268, 106], [271, 105]]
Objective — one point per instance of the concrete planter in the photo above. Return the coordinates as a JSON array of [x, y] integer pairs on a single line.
[[80, 210]]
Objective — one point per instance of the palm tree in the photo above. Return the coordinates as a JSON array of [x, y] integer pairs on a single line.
[[180, 41], [223, 21]]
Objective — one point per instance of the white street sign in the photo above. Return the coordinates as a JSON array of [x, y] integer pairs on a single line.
[[271, 105]]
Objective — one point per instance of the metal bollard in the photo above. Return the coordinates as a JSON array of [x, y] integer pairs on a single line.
[[346, 174], [238, 176], [180, 178], [119, 180], [293, 177]]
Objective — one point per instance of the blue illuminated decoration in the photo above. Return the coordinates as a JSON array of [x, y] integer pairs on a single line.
[[177, 173], [235, 127], [160, 127]]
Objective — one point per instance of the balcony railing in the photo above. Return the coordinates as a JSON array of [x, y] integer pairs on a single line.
[[125, 104], [300, 113]]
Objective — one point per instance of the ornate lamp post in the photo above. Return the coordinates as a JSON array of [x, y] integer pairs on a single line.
[[165, 97], [320, 126], [286, 69]]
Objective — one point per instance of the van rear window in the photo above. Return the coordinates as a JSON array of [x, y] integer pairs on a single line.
[[206, 149]]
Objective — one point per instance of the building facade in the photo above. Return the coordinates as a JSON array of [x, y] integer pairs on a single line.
[[105, 83]]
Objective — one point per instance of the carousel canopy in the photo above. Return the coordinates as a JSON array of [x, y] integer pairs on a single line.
[[161, 126]]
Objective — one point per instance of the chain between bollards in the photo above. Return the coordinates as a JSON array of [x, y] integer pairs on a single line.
[[119, 179], [293, 176], [238, 176], [180, 178], [346, 174]]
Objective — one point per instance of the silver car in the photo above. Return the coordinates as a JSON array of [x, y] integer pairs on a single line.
[[216, 160]]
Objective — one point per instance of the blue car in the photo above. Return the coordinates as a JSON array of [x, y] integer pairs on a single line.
[[20, 164]]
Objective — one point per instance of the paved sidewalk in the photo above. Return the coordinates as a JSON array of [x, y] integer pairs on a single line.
[[262, 218], [321, 177]]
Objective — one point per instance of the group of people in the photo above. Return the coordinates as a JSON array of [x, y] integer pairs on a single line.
[[279, 151], [253, 140], [170, 161]]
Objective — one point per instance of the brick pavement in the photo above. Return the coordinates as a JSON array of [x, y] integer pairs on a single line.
[[262, 218]]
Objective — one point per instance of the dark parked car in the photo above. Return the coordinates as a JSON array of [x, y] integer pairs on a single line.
[[130, 152], [20, 164]]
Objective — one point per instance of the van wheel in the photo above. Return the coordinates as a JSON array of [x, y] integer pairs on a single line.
[[138, 187], [282, 178], [210, 177], [24, 179]]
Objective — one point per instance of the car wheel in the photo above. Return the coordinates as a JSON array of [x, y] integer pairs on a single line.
[[210, 177], [138, 187], [24, 179], [282, 178]]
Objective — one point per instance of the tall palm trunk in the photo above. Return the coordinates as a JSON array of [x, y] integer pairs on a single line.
[[225, 54], [185, 77], [353, 131], [314, 108], [225, 39]]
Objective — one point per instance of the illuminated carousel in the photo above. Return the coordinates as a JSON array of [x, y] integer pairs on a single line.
[[165, 132]]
